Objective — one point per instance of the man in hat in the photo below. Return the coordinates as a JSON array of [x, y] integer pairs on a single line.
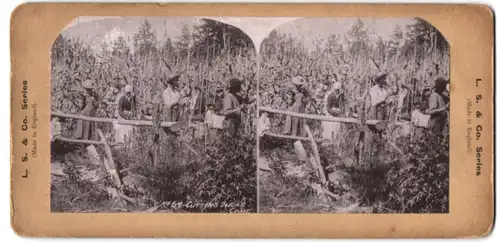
[[438, 106], [378, 96], [170, 98], [333, 106], [126, 110], [86, 129], [127, 104], [295, 125], [219, 99], [232, 107], [377, 110]]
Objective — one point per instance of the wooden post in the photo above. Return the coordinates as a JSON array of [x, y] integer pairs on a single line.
[[155, 149], [281, 136], [93, 155], [110, 163], [299, 150], [316, 154], [314, 165]]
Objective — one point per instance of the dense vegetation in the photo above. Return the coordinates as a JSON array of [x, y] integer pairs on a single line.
[[225, 172], [407, 174]]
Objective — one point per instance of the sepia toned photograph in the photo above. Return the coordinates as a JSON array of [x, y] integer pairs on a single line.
[[153, 114], [161, 114], [354, 117], [252, 120]]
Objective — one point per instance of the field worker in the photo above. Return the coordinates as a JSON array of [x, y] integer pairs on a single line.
[[127, 104], [294, 125], [199, 100], [170, 98], [219, 99], [344, 72], [85, 129], [438, 107], [378, 97], [126, 110], [333, 106], [232, 107]]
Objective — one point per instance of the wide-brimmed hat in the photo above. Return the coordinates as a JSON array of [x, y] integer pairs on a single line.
[[173, 79], [298, 80], [191, 73], [381, 78], [88, 84], [211, 105], [128, 88], [219, 88], [336, 86]]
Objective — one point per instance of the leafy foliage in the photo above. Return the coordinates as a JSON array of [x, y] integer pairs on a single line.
[[405, 174], [226, 171]]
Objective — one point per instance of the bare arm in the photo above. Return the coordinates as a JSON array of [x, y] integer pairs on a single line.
[[433, 106], [436, 110], [227, 110]]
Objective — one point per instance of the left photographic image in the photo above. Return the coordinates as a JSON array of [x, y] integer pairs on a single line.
[[153, 114]]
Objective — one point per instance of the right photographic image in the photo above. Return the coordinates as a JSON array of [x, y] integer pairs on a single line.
[[354, 117]]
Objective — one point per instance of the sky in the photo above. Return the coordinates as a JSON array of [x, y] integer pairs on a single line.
[[313, 28], [94, 29]]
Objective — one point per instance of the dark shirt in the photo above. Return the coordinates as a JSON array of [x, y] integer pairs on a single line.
[[90, 104], [126, 104], [334, 101], [219, 104]]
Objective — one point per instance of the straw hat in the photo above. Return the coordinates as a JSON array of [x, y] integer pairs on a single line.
[[336, 86], [219, 88], [173, 79], [128, 88], [191, 73], [381, 78], [88, 84], [298, 80]]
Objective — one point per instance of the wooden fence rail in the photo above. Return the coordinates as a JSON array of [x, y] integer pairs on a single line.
[[324, 118], [107, 120], [281, 136], [88, 142]]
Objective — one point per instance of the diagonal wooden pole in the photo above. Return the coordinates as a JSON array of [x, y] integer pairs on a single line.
[[321, 172], [111, 166]]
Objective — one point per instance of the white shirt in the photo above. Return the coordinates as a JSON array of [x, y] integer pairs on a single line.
[[170, 97], [377, 95], [325, 102]]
